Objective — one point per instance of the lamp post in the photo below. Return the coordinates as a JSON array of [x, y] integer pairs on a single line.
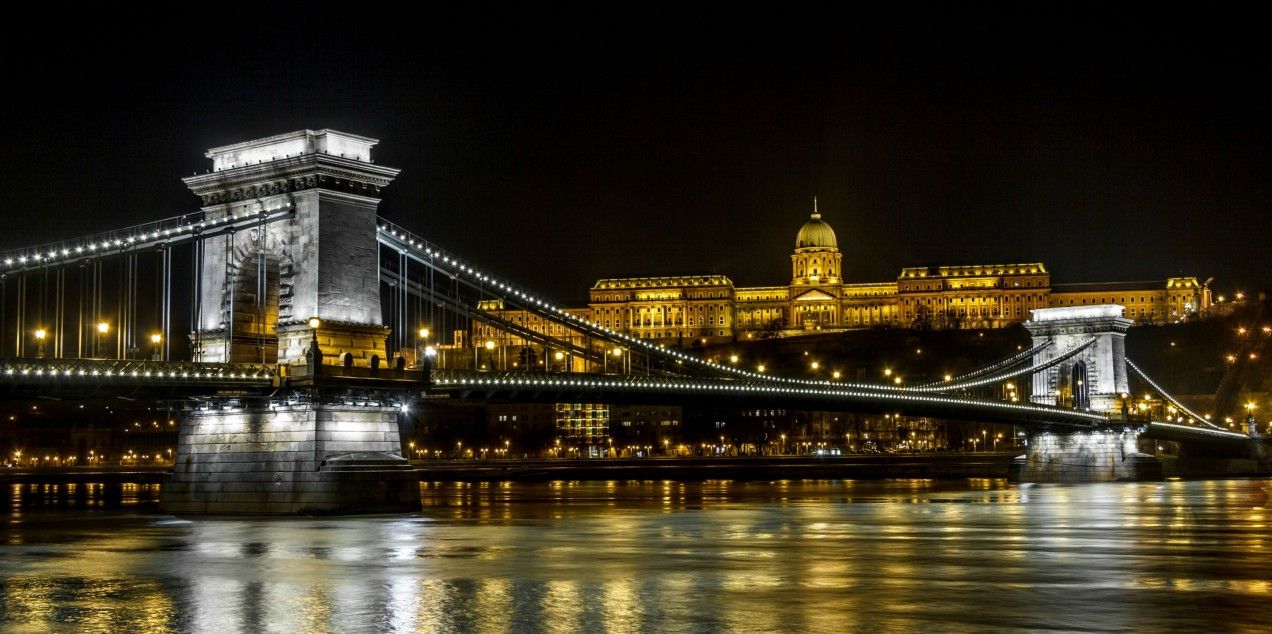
[[421, 344], [155, 340], [40, 334], [313, 357], [490, 352], [102, 329]]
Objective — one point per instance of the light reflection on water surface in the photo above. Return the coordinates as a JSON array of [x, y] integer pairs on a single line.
[[827, 556]]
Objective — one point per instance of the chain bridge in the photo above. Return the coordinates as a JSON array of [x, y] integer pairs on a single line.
[[294, 325]]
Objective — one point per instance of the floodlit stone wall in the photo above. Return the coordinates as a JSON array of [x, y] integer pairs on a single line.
[[1087, 456], [264, 459]]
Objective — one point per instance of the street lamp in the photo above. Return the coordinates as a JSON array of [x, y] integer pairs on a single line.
[[102, 329], [421, 345], [40, 334], [490, 352], [155, 339], [313, 357]]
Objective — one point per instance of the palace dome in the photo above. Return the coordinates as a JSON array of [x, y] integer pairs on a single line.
[[816, 234]]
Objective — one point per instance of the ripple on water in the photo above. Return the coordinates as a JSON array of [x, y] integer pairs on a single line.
[[661, 556]]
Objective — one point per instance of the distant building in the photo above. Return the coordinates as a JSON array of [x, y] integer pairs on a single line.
[[687, 307]]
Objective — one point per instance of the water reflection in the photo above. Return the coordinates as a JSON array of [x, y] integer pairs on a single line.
[[623, 556]]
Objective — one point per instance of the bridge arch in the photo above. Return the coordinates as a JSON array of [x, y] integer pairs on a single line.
[[262, 274]]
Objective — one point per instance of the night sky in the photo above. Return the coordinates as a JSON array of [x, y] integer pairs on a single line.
[[559, 146]]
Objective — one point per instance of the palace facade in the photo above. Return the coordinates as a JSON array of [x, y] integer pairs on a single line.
[[817, 298]]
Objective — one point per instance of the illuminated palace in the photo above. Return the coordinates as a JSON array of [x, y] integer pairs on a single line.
[[817, 298]]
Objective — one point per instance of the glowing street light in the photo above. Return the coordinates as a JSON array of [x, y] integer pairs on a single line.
[[314, 356], [155, 340], [423, 333], [103, 329], [40, 334]]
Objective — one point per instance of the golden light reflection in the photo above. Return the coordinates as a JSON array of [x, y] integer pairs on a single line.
[[562, 606]]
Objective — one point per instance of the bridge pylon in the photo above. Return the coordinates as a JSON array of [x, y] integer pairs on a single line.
[[1093, 379], [268, 294], [260, 288]]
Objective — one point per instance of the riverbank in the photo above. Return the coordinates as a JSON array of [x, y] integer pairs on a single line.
[[935, 466], [85, 475], [871, 467]]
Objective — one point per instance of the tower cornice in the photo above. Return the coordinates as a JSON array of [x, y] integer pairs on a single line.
[[291, 174]]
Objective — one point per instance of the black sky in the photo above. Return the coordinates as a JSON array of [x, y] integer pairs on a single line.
[[561, 145]]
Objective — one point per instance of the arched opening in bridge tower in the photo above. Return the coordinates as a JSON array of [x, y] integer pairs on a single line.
[[1080, 389], [255, 308], [1073, 390]]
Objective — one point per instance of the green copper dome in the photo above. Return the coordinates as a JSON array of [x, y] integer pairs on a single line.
[[816, 234]]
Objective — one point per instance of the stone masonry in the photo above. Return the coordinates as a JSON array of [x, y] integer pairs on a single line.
[[323, 260], [308, 459], [279, 455]]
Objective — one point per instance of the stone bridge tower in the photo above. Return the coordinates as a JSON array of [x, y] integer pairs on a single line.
[[1095, 378], [260, 287]]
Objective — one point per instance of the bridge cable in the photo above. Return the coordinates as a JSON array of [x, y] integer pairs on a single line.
[[1032, 369], [1166, 395], [458, 307], [994, 366]]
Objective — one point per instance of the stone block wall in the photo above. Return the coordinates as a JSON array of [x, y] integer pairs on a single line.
[[271, 460], [1087, 456], [360, 341]]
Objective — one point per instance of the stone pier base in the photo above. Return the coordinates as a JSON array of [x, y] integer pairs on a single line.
[[301, 459], [1106, 455]]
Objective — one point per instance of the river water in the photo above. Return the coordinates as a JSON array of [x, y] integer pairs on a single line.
[[650, 556]]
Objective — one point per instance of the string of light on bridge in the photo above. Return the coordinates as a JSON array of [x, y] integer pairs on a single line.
[[549, 310], [179, 229], [203, 372], [1166, 395]]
